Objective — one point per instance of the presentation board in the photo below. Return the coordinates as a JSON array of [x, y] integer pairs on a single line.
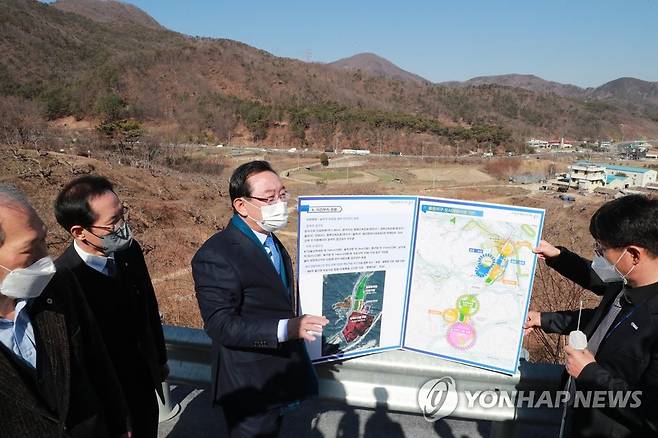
[[443, 277]]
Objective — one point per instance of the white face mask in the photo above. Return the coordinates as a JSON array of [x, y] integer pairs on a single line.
[[274, 216], [24, 283], [607, 271]]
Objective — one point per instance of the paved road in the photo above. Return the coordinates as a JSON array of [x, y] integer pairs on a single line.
[[316, 420], [319, 419]]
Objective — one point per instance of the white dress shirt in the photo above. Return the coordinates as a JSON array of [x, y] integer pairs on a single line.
[[99, 263]]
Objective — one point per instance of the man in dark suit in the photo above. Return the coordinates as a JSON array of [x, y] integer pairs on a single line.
[[110, 267], [56, 379], [245, 287], [621, 357]]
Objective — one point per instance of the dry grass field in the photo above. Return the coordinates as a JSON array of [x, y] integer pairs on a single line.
[[173, 212]]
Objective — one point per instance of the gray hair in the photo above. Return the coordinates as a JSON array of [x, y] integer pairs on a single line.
[[11, 195]]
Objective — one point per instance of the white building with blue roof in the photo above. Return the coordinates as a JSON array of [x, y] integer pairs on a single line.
[[635, 176], [617, 182], [585, 175]]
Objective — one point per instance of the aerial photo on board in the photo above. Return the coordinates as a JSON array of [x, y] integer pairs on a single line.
[[353, 304]]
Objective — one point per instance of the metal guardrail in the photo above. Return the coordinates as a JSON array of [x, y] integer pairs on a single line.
[[358, 382], [189, 357]]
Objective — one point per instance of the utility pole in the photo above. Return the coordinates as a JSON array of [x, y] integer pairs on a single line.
[[434, 174], [621, 125]]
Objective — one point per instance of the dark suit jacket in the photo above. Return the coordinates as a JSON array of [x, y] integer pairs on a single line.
[[74, 391], [126, 311], [242, 299], [627, 360]]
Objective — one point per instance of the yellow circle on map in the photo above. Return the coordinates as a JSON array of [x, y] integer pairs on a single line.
[[450, 315], [507, 249]]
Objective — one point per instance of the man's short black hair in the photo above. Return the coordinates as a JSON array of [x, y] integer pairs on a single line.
[[630, 220], [72, 204], [238, 186]]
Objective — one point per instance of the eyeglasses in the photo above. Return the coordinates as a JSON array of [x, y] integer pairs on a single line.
[[283, 196], [599, 249], [118, 223]]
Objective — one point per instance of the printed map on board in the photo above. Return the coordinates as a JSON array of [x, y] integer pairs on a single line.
[[471, 281]]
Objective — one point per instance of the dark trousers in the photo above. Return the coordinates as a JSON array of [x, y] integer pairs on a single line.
[[262, 425], [593, 423], [143, 407]]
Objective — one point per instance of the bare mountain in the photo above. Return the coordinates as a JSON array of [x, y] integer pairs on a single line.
[[203, 88], [527, 82], [628, 89], [374, 65], [625, 90], [108, 11]]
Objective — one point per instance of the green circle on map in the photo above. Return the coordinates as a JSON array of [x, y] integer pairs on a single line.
[[468, 304]]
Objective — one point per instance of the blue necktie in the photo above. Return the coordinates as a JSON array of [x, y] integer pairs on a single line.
[[274, 253], [111, 268]]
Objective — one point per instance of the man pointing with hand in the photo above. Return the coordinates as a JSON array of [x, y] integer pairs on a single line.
[[245, 288], [620, 361]]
